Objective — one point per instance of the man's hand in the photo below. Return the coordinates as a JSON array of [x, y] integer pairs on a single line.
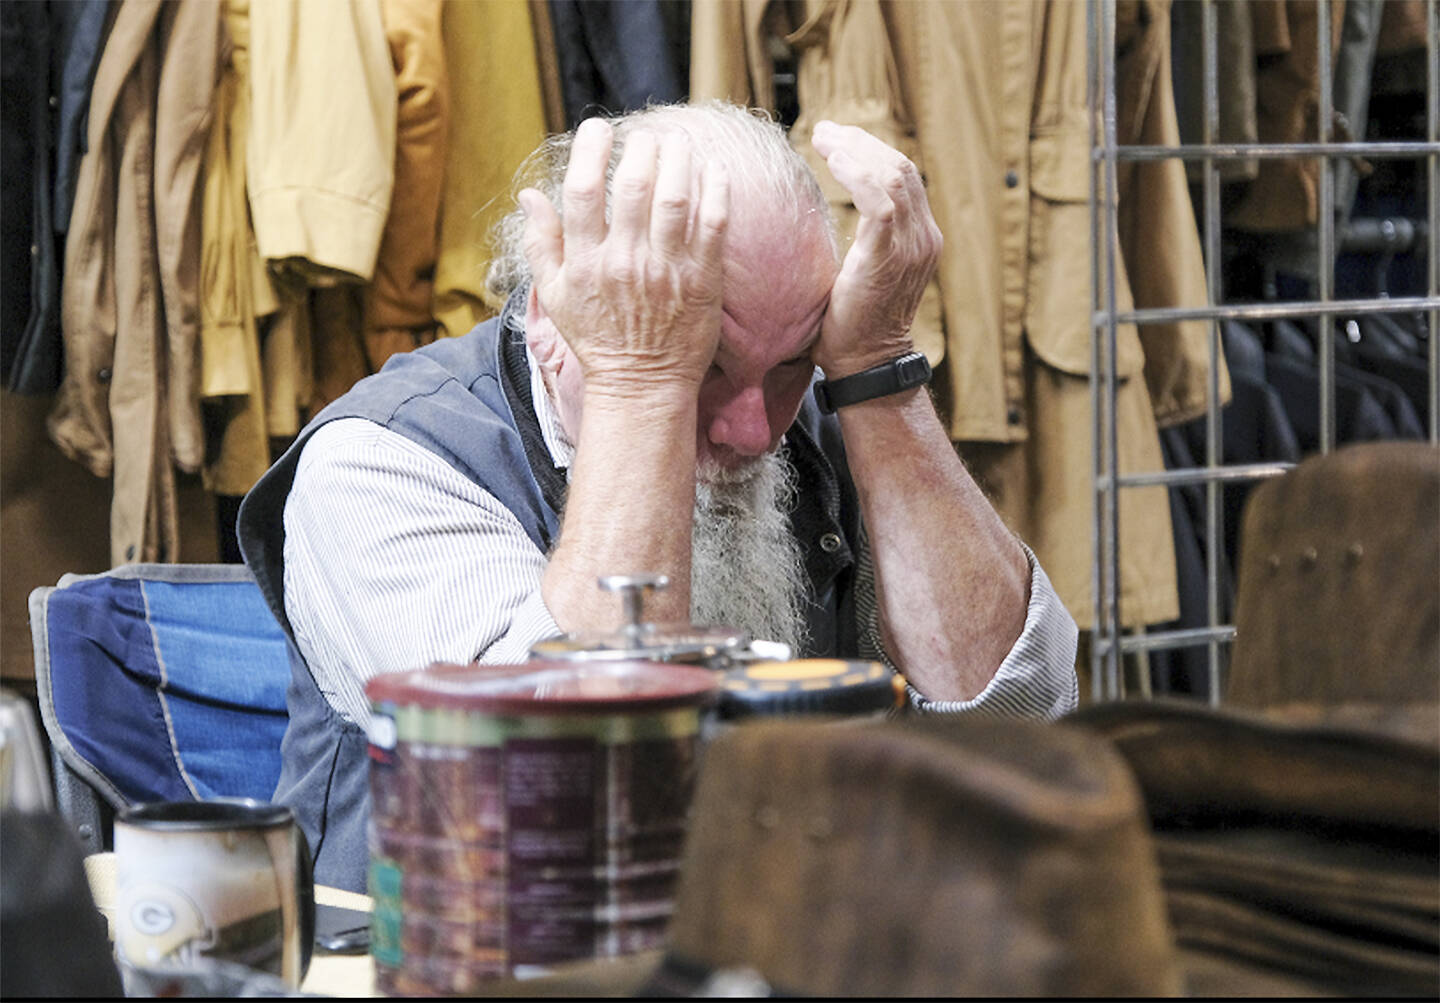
[[897, 245], [638, 298]]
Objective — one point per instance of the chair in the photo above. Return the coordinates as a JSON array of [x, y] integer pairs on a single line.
[[158, 682]]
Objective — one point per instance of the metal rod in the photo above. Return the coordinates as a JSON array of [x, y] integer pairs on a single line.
[[1112, 598], [1325, 217], [1432, 132], [1276, 311], [1199, 475], [1278, 151], [1214, 636], [1098, 388], [1189, 637], [1214, 432]]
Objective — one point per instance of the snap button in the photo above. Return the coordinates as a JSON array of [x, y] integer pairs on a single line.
[[54, 101], [103, 375], [830, 543], [1308, 557], [1013, 415], [1011, 179], [1355, 552], [34, 250]]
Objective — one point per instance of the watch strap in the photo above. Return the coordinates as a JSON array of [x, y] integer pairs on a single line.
[[890, 377]]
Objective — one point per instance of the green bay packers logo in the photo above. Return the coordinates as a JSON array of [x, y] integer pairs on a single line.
[[159, 923]]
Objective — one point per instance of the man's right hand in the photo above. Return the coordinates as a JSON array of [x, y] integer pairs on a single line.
[[637, 299]]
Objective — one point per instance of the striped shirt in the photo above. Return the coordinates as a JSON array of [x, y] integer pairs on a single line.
[[394, 560]]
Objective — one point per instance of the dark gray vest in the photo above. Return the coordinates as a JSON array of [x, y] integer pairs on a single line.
[[468, 401]]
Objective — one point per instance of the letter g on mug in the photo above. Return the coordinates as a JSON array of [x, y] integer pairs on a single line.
[[228, 879]]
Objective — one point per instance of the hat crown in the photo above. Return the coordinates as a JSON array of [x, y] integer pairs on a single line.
[[933, 857]]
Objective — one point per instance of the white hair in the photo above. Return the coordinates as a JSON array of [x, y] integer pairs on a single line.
[[758, 159], [747, 570]]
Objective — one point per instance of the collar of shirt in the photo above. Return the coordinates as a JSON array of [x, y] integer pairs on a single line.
[[562, 450]]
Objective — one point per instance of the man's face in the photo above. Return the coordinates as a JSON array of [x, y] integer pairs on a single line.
[[777, 286], [776, 291]]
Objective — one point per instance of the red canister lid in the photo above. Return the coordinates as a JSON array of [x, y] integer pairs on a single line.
[[541, 687]]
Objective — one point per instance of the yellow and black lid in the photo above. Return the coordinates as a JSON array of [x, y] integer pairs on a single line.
[[807, 686]]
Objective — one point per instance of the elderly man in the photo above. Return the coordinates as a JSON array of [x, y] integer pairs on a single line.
[[644, 404]]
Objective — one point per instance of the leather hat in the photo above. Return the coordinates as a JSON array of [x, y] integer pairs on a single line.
[[1338, 594], [1298, 844], [923, 857]]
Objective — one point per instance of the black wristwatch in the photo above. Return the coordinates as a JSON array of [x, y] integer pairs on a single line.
[[900, 373]]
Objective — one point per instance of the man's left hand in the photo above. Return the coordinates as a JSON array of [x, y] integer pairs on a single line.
[[896, 248]]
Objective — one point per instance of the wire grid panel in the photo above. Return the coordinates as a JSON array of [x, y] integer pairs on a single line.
[[1108, 641]]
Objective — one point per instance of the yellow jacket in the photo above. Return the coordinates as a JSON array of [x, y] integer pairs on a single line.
[[498, 116]]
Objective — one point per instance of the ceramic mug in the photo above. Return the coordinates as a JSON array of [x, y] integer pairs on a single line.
[[226, 879]]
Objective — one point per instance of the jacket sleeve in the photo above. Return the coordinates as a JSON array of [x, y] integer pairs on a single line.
[[320, 165], [397, 302]]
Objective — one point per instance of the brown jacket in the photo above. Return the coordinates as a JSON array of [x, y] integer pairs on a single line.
[[397, 300], [129, 309], [1286, 193]]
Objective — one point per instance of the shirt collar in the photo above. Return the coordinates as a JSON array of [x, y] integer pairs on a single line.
[[562, 450]]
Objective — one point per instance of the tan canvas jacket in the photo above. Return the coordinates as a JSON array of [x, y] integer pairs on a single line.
[[129, 303], [989, 98]]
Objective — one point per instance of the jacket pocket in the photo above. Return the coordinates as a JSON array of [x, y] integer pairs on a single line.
[[1058, 282]]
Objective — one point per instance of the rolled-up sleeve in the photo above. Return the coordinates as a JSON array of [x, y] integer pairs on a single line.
[[1037, 678]]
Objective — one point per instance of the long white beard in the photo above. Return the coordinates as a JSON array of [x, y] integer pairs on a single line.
[[747, 570]]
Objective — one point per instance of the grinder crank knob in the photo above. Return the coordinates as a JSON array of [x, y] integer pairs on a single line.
[[633, 589]]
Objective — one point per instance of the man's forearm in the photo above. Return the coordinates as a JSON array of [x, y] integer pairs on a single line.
[[628, 509], [951, 581]]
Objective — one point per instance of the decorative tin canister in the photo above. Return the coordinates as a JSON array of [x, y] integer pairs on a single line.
[[526, 815]]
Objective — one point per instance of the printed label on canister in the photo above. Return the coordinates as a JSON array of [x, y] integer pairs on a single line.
[[528, 840], [386, 912]]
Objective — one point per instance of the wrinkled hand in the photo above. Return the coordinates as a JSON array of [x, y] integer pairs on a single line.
[[637, 299], [896, 248]]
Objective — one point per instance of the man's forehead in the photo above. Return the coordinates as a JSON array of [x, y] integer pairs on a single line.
[[778, 265]]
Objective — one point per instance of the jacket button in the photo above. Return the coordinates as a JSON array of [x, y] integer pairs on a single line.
[[1013, 415], [103, 376], [130, 552], [830, 543], [1011, 179]]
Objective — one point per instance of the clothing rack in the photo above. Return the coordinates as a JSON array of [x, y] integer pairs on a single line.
[[1383, 236]]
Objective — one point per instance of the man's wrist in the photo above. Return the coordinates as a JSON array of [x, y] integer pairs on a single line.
[[891, 376]]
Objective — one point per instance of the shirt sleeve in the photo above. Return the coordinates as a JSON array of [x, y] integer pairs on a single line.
[[394, 560], [1037, 678]]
